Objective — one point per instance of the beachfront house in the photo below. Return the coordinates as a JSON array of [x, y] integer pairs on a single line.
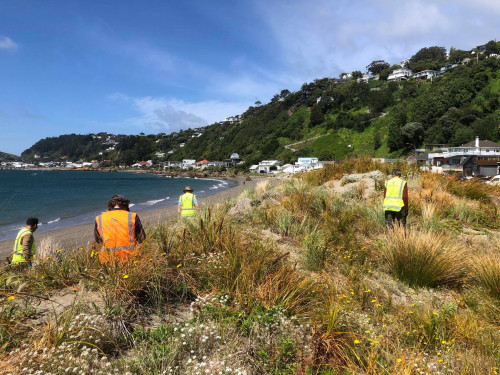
[[202, 164], [215, 164], [475, 158], [233, 160], [171, 164], [308, 163], [188, 163], [143, 164], [268, 166]]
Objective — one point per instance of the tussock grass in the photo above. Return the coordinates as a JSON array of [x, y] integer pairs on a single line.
[[423, 259], [486, 271]]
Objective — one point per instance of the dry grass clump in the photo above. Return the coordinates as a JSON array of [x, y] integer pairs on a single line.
[[486, 271], [423, 258]]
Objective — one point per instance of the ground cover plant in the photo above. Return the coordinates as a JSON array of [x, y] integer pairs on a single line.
[[297, 276]]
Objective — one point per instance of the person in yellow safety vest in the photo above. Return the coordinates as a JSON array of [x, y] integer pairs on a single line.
[[24, 246], [396, 199], [188, 203], [118, 230]]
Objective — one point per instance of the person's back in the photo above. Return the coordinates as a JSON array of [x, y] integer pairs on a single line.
[[188, 203], [119, 230], [396, 199], [24, 245]]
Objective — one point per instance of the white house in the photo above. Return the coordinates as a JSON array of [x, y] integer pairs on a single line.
[[424, 74], [368, 77], [401, 74], [476, 157], [266, 166], [188, 163]]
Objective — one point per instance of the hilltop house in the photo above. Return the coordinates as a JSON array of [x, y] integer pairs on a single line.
[[424, 74], [401, 74]]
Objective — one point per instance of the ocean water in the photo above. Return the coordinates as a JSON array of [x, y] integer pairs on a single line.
[[65, 198]]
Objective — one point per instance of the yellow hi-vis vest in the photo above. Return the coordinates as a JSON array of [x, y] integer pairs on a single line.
[[187, 205], [394, 194], [17, 255]]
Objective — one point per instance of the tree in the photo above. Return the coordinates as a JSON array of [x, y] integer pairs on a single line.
[[284, 93], [413, 134], [457, 55], [275, 98], [316, 115], [377, 66], [491, 48], [326, 155], [258, 103], [357, 74], [428, 58]]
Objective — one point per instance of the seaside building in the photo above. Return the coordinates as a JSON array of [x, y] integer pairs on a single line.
[[475, 158]]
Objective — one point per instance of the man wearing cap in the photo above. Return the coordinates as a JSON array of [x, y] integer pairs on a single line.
[[24, 246], [396, 199], [118, 230], [188, 204]]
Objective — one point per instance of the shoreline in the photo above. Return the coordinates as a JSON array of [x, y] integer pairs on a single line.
[[81, 235]]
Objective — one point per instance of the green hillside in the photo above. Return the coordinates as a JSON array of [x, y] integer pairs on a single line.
[[339, 117]]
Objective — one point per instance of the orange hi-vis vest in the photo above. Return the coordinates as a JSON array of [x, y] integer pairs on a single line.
[[117, 230]]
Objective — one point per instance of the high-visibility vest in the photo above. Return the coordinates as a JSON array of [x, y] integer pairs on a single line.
[[117, 230], [187, 204], [17, 255], [394, 194]]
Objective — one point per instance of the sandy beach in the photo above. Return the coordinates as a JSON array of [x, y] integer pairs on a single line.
[[80, 235]]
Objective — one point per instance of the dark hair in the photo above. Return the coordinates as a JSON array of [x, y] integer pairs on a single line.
[[118, 200], [396, 172], [32, 221]]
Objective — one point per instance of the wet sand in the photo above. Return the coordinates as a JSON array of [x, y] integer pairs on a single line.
[[81, 235]]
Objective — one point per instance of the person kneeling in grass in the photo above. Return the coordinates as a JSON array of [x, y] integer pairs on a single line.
[[118, 230], [24, 246]]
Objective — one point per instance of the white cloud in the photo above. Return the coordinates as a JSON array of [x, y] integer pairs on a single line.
[[168, 115], [7, 43], [322, 39]]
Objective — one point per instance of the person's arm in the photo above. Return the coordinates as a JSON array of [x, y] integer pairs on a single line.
[[140, 235], [27, 241], [97, 236], [179, 206], [196, 203]]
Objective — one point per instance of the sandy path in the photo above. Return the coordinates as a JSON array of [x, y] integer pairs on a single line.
[[80, 235]]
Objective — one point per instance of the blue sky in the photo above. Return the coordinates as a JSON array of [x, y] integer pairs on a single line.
[[72, 66]]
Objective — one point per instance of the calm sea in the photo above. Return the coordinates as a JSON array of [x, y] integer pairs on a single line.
[[65, 198]]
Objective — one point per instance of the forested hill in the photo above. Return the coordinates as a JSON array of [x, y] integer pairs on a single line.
[[329, 118], [8, 157]]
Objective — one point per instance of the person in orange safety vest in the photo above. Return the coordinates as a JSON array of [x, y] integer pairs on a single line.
[[118, 230]]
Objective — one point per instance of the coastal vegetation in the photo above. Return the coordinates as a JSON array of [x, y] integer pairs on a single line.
[[379, 117], [296, 276]]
